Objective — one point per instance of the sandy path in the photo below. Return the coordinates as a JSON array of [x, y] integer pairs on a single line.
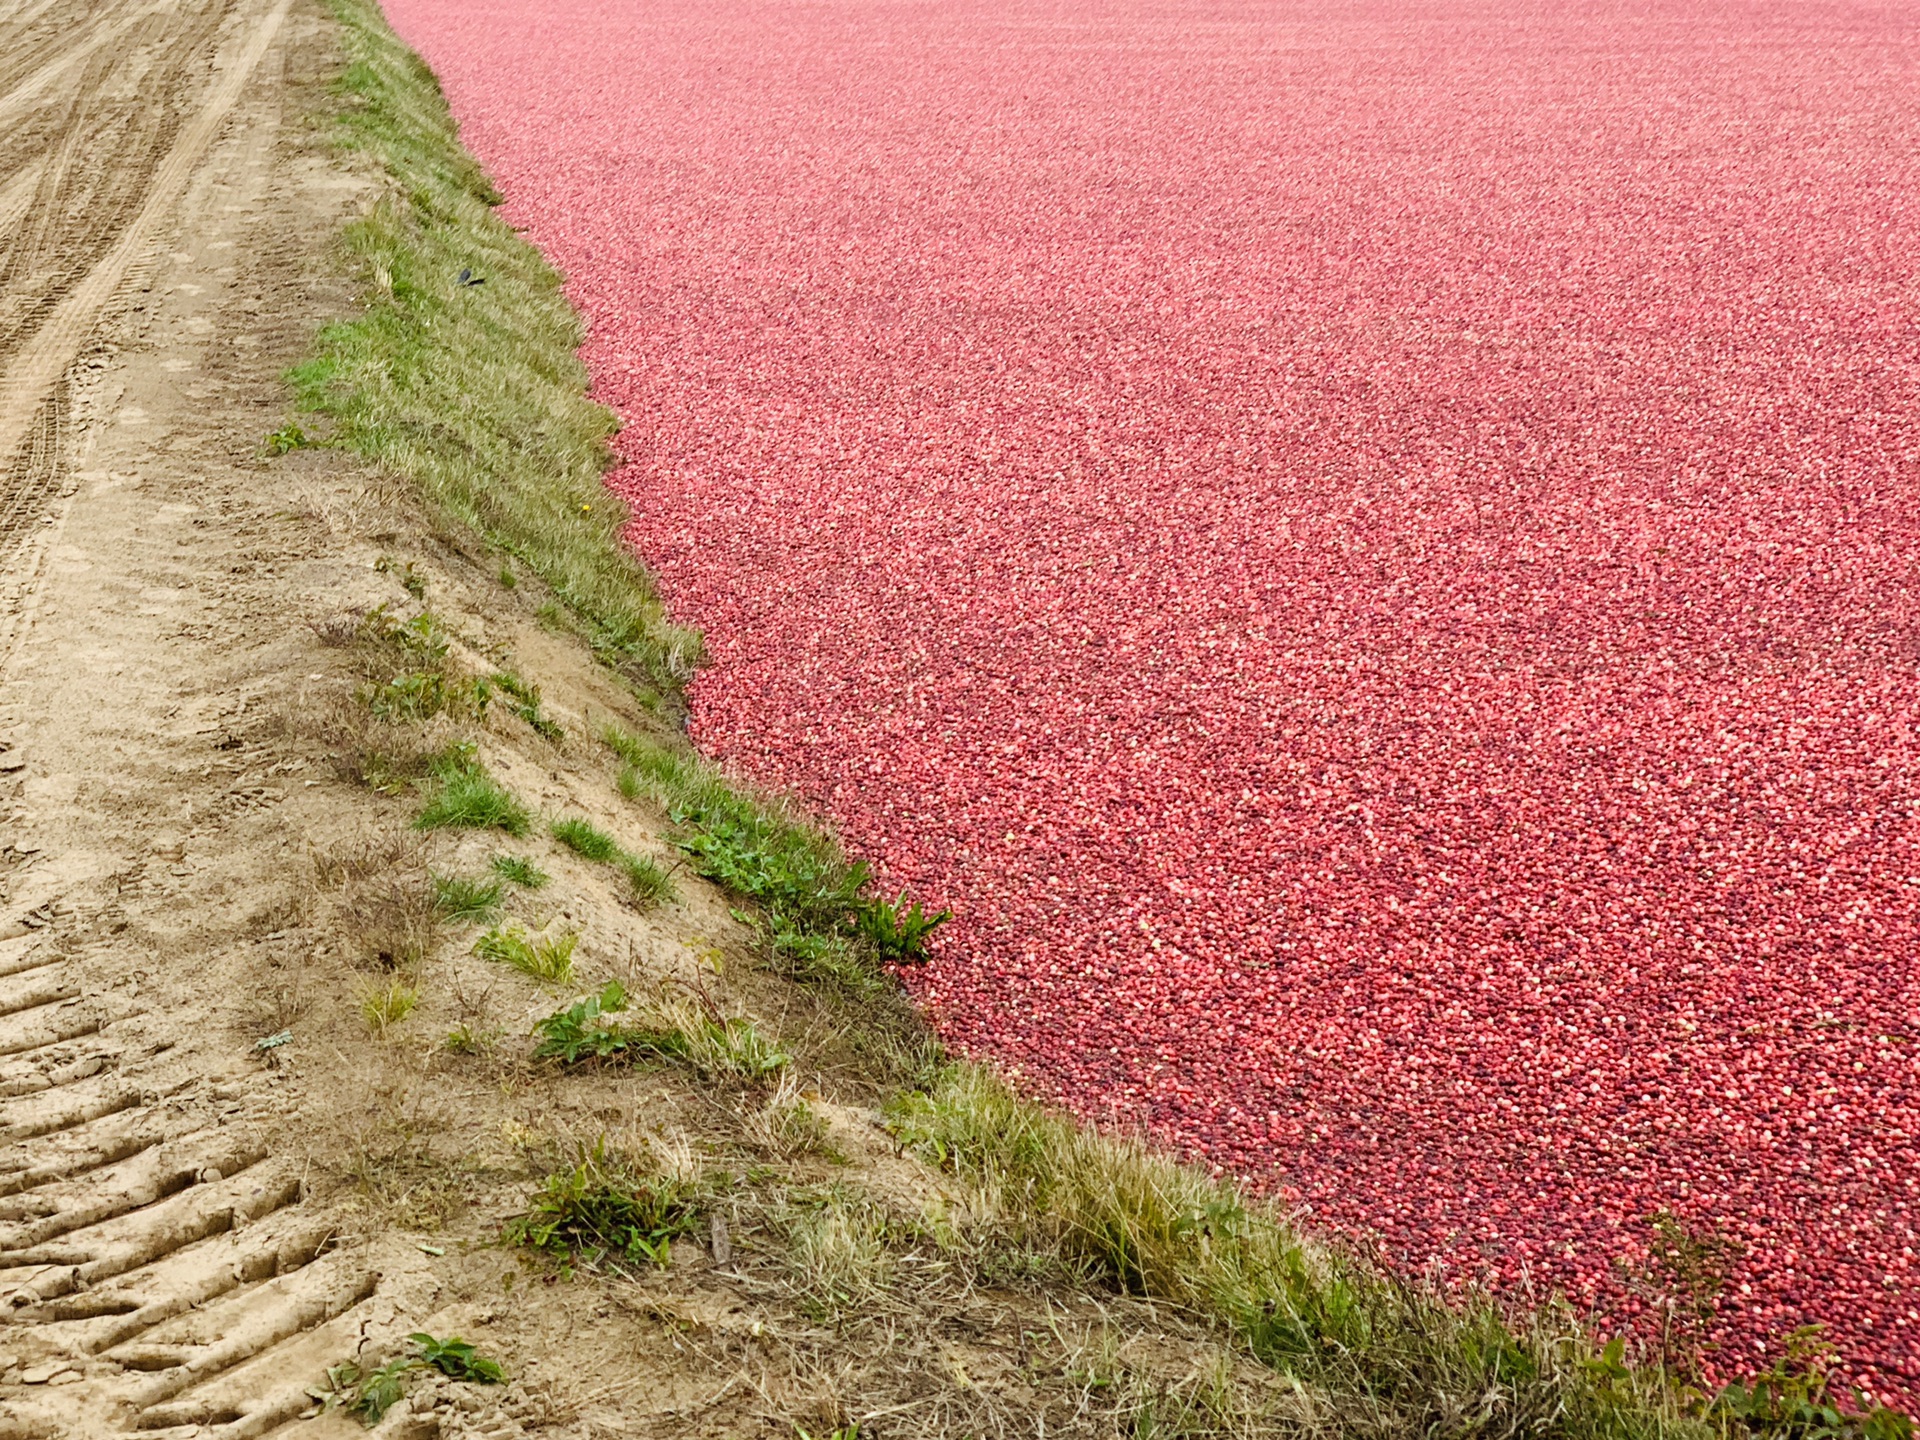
[[160, 1264]]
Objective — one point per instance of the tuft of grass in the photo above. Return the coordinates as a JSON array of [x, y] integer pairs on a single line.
[[465, 796], [718, 1045], [520, 870], [544, 957], [384, 1006], [787, 1126], [476, 395], [466, 1039], [840, 1250], [463, 901], [603, 1213], [585, 839], [672, 1029], [627, 783], [748, 844], [523, 699], [647, 883]]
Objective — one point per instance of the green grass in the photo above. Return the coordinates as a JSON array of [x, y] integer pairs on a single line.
[[647, 884], [604, 1213], [475, 393], [544, 957], [584, 839], [1400, 1357], [462, 795], [754, 846], [384, 1006], [521, 871], [463, 901]]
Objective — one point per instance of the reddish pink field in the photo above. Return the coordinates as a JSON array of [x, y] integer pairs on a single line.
[[1371, 552]]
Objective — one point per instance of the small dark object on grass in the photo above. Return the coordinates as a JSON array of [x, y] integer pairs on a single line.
[[467, 277]]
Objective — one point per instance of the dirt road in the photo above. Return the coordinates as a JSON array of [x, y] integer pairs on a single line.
[[160, 1267]]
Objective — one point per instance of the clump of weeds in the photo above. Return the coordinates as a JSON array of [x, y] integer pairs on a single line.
[[822, 924], [467, 1038], [394, 925], [1794, 1399], [606, 1213], [369, 1395], [544, 957], [898, 931], [384, 1006], [840, 1249], [407, 668], [464, 901], [1681, 1281], [520, 870], [674, 1028], [287, 439], [411, 580], [465, 796]]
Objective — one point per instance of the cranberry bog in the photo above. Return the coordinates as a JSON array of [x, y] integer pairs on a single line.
[[1368, 552]]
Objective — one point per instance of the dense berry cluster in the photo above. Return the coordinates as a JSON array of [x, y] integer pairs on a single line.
[[1370, 552]]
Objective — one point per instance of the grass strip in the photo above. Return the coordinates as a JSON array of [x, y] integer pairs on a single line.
[[475, 394]]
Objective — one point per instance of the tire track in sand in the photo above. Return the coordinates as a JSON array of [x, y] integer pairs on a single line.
[[159, 1273], [23, 84], [37, 365]]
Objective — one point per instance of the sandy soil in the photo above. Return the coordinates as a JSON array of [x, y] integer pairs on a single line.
[[163, 1265]]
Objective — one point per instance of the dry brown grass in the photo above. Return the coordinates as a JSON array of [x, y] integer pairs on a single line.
[[390, 923], [786, 1126]]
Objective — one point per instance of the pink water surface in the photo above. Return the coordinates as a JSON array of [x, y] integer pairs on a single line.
[[1368, 550]]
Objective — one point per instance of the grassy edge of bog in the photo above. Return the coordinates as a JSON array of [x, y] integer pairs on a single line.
[[461, 372], [460, 375]]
